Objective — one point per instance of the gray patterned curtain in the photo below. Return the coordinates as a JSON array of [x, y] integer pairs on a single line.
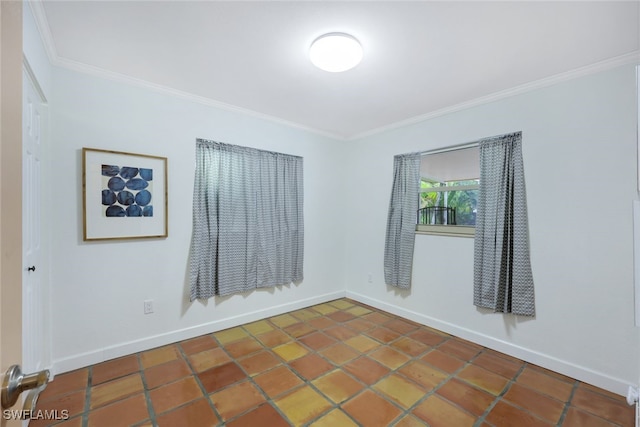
[[401, 222], [503, 280], [248, 226]]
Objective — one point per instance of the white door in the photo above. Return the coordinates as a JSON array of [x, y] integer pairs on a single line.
[[35, 342]]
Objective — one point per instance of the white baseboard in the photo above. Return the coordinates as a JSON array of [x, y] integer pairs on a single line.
[[91, 358], [598, 379]]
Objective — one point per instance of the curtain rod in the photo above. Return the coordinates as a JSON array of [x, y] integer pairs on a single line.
[[464, 145]]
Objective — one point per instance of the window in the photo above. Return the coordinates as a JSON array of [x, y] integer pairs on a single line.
[[449, 183]]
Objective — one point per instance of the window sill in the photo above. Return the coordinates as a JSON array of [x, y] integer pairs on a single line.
[[446, 230]]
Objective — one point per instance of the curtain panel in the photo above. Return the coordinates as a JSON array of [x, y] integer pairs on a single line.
[[401, 221], [248, 229], [503, 280]]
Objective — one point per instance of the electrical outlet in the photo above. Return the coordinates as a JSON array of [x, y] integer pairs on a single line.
[[148, 306]]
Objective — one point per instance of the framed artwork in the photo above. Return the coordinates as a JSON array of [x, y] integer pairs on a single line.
[[124, 195]]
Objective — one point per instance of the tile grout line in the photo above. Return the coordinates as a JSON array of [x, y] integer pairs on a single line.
[[499, 397], [195, 376], [87, 401], [147, 396], [567, 405]]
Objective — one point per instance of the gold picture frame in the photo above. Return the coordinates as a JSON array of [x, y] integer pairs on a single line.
[[124, 195]]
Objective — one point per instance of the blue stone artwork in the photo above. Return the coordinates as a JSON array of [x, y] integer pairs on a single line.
[[127, 191]]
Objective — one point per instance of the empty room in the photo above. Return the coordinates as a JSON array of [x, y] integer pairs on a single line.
[[319, 213]]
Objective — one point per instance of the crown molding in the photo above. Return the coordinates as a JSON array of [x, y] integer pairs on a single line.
[[608, 64], [40, 16], [45, 32]]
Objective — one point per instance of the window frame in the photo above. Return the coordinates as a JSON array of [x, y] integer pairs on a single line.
[[447, 229]]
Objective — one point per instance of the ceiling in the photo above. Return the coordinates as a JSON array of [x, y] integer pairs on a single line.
[[422, 58]]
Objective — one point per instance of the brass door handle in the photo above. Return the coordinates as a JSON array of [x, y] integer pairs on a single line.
[[15, 382]]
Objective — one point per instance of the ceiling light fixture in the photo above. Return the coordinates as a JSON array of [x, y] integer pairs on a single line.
[[335, 52]]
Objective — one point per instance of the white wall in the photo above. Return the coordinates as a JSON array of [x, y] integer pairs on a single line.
[[580, 163], [99, 287], [579, 149]]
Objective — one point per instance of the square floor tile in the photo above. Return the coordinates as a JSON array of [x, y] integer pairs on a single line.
[[129, 411], [504, 414], [117, 389], [498, 365], [73, 402], [578, 418], [410, 421], [383, 335], [335, 418], [311, 366], [317, 340], [461, 350], [400, 390], [423, 374], [65, 383], [321, 322], [544, 407], [299, 329], [410, 346], [158, 356], [486, 380], [337, 386], [443, 361], [302, 405], [174, 394], [545, 384], [290, 351], [221, 376], [259, 327], [325, 308], [243, 347], [166, 373], [371, 410], [377, 318], [362, 343], [197, 413], [339, 353], [427, 336], [264, 415], [274, 338], [284, 320], [209, 359], [440, 413], [389, 357], [366, 370], [115, 368], [277, 381], [401, 326], [236, 399], [198, 344], [305, 314], [598, 404], [359, 325], [230, 335], [259, 362], [341, 333], [340, 316], [469, 398], [341, 304], [358, 311]]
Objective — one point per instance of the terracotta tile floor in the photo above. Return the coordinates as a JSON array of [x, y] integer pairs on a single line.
[[335, 364]]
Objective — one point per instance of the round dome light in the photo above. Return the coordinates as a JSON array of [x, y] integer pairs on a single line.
[[335, 52]]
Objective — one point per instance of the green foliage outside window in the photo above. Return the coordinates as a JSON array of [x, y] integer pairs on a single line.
[[464, 201]]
